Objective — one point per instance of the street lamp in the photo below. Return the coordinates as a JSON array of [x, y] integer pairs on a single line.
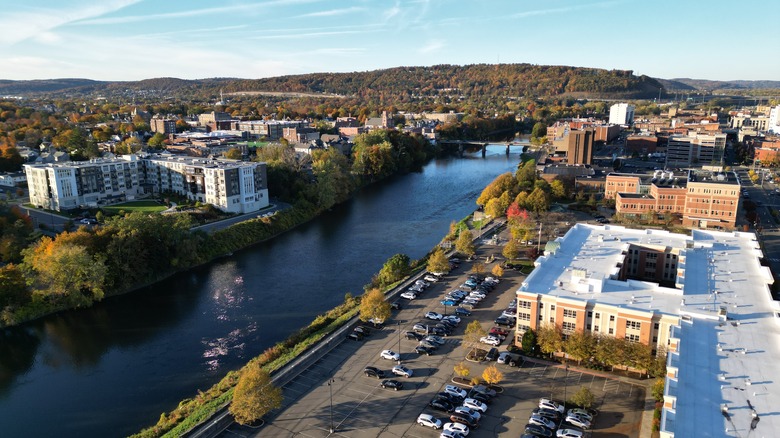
[[399, 342], [330, 386], [565, 383]]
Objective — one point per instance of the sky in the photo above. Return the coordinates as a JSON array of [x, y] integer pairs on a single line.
[[140, 39]]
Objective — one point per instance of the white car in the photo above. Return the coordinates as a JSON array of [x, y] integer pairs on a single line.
[[457, 392], [433, 339], [568, 433], [400, 370], [435, 316], [409, 295], [508, 358], [478, 295], [578, 421], [453, 318], [546, 403], [582, 413], [450, 434], [490, 340], [376, 321], [457, 427], [389, 355], [541, 421], [428, 420], [475, 404], [470, 412], [422, 283], [431, 278], [493, 280], [509, 313]]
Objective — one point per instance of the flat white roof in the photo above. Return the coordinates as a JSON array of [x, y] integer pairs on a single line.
[[729, 351]]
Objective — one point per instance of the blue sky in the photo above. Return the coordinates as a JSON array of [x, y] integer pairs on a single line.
[[138, 39]]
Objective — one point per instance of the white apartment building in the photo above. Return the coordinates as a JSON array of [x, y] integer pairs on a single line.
[[621, 114], [234, 187], [774, 120], [701, 149]]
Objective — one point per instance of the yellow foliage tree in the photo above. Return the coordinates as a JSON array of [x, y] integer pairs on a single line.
[[497, 271], [255, 395], [492, 375], [462, 370]]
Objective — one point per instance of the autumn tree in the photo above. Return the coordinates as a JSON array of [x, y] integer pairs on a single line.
[[462, 370], [538, 201], [465, 243], [438, 262], [492, 375], [528, 342], [374, 306], [515, 214], [580, 345], [478, 268], [503, 183], [558, 189], [255, 395], [583, 398], [474, 332], [234, 154], [331, 168], [394, 269], [13, 288], [511, 250], [550, 338], [497, 271]]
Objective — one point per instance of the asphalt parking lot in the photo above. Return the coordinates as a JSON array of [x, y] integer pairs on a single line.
[[362, 408]]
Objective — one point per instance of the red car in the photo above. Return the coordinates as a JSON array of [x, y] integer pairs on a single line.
[[498, 331]]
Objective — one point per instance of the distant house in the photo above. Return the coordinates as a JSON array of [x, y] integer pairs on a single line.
[[383, 122], [12, 179]]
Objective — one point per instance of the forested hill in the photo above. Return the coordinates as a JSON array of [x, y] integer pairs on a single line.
[[483, 80]]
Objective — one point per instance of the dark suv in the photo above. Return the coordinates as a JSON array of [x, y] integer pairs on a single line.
[[458, 417], [374, 372]]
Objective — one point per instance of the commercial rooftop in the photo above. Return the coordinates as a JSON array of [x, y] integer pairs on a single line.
[[728, 354]]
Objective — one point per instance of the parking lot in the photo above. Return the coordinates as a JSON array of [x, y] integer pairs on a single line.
[[362, 408]]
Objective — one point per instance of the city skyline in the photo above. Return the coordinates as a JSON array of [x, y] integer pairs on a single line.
[[137, 39]]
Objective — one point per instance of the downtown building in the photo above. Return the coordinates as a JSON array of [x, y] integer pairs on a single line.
[[704, 298], [233, 187], [621, 114]]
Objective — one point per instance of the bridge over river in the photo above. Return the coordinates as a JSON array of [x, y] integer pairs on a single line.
[[462, 145]]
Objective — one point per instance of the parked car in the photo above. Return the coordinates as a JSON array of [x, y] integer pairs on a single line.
[[374, 372], [438, 331], [456, 391], [365, 331], [479, 397], [420, 349], [392, 384], [463, 418], [431, 278], [457, 427], [547, 413], [508, 358], [478, 295], [462, 312], [504, 321], [449, 302], [569, 433], [414, 336], [538, 431], [578, 421], [420, 328], [450, 434], [583, 413], [429, 420], [355, 336], [471, 305], [428, 345], [452, 318], [482, 389], [409, 295], [452, 398], [395, 305], [490, 340], [509, 313], [542, 421], [400, 370], [441, 405], [433, 339], [475, 415], [434, 316], [499, 332], [492, 354], [389, 355], [546, 403], [475, 404]]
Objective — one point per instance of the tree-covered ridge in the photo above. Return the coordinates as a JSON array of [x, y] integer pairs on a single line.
[[517, 80]]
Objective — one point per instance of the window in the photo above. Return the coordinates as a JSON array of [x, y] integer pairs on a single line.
[[632, 338], [633, 325], [524, 316], [567, 313], [598, 315], [569, 326], [655, 339], [611, 331], [595, 328], [552, 319], [590, 314], [552, 307], [611, 318], [656, 326], [524, 304]]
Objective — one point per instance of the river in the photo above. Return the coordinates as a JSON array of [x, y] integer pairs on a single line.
[[112, 369]]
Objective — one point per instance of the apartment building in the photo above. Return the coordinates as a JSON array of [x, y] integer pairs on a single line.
[[687, 150], [701, 199], [234, 187], [163, 125], [270, 129], [713, 312], [621, 114], [774, 120]]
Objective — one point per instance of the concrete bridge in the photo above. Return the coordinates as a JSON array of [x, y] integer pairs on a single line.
[[462, 145]]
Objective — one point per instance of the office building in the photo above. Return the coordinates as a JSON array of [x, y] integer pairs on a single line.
[[621, 114]]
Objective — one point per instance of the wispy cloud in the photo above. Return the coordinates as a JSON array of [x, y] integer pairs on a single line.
[[23, 25], [301, 35], [566, 9], [431, 46], [339, 51], [332, 12], [245, 7]]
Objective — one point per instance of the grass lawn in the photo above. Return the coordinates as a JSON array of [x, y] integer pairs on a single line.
[[145, 206]]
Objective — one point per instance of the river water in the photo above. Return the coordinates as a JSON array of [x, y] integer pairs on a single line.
[[112, 369]]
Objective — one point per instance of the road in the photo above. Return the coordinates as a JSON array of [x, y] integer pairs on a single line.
[[215, 226]]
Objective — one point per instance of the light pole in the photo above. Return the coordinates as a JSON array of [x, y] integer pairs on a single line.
[[330, 386], [565, 384], [539, 242]]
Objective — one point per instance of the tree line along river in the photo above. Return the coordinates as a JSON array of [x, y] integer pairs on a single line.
[[112, 369]]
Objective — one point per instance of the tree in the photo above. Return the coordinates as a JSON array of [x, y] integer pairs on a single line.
[[478, 268], [438, 262], [394, 269], [374, 306], [254, 395], [497, 271], [580, 345], [462, 370], [503, 183], [492, 376], [539, 130], [538, 201], [13, 289], [658, 389], [558, 189], [511, 250], [157, 141], [583, 398], [549, 338], [528, 342], [474, 332], [515, 214], [465, 243], [234, 154]]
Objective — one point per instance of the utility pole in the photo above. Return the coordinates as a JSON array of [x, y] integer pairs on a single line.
[[539, 242], [330, 386]]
